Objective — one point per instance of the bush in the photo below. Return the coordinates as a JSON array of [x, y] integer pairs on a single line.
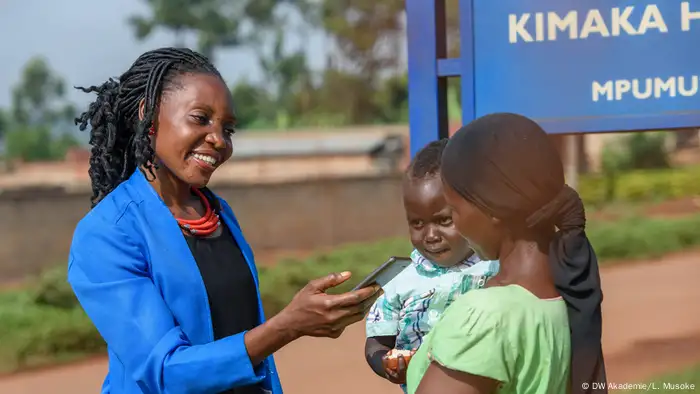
[[44, 324], [637, 154], [641, 185], [52, 289], [643, 238], [34, 335], [636, 151], [647, 150]]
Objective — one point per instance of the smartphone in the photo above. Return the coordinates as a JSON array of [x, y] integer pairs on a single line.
[[385, 273]]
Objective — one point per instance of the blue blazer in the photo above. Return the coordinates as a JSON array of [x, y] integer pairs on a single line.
[[134, 275]]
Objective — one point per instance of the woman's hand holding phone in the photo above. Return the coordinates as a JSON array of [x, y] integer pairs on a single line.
[[314, 313]]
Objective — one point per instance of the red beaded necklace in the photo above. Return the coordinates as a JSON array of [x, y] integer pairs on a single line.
[[204, 226]]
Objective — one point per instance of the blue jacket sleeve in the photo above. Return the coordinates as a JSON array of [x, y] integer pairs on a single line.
[[110, 278]]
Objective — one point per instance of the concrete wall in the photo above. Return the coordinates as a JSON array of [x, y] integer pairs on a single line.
[[260, 170], [37, 226]]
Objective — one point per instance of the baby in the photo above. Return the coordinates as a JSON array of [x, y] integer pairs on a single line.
[[444, 266]]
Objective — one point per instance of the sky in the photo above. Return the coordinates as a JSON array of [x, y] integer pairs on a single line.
[[88, 41]]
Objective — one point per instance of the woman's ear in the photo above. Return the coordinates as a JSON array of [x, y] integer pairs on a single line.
[[142, 109]]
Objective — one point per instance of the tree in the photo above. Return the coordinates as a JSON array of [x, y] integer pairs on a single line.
[[368, 33], [253, 106], [4, 123], [289, 79], [37, 144], [452, 16], [369, 36], [211, 20], [349, 96], [36, 127], [392, 99], [167, 14], [29, 144], [216, 23], [38, 99]]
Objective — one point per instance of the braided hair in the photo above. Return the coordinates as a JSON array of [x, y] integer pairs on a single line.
[[426, 163], [119, 139]]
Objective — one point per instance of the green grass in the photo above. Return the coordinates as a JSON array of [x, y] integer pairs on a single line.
[[43, 324], [686, 381]]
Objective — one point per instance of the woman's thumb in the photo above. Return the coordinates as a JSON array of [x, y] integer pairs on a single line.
[[331, 280]]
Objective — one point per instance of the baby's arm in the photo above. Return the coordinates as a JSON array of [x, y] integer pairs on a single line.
[[375, 350], [382, 327]]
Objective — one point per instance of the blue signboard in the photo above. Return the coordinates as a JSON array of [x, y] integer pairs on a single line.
[[572, 65]]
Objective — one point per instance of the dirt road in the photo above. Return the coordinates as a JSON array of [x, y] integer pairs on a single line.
[[651, 326]]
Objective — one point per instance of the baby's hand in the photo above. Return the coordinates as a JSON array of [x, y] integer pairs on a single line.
[[396, 364]]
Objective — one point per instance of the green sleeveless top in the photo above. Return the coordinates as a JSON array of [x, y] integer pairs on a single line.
[[503, 333]]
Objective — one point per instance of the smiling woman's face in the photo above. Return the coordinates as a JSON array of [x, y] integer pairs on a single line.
[[194, 129]]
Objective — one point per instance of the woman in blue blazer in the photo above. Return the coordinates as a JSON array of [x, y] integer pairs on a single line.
[[160, 263]]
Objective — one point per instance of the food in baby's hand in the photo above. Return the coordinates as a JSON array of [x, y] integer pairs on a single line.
[[392, 358]]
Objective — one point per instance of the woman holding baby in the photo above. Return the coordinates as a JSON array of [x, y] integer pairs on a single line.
[[536, 327]]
